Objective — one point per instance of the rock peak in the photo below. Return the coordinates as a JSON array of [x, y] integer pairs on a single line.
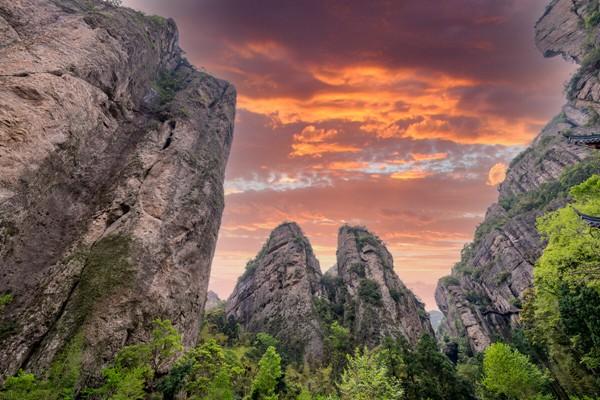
[[276, 293]]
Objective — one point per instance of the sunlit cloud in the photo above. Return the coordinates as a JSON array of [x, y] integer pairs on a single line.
[[411, 174], [314, 142]]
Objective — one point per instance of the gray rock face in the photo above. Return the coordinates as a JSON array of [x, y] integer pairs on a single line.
[[482, 298], [275, 295], [112, 157], [376, 303]]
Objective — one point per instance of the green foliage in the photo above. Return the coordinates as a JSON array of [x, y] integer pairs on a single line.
[[511, 374], [396, 294], [262, 342], [370, 292], [251, 265], [205, 372], [339, 344], [366, 378], [269, 371], [25, 386], [136, 366], [424, 372], [216, 325], [5, 299], [63, 377], [503, 277], [449, 281], [167, 85], [477, 298]]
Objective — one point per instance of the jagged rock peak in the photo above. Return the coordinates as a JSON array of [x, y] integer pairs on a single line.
[[376, 302], [276, 293], [112, 157]]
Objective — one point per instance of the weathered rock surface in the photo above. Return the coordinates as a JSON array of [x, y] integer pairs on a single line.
[[275, 294], [376, 303], [112, 157], [482, 298]]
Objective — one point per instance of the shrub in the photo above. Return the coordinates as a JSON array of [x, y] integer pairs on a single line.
[[450, 281], [5, 299], [370, 292]]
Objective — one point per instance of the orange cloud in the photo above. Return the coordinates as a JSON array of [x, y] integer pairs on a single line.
[[497, 174], [429, 156], [410, 175], [311, 141]]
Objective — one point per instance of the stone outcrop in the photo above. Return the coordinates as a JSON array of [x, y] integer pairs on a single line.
[[276, 293], [112, 158], [483, 297], [376, 304]]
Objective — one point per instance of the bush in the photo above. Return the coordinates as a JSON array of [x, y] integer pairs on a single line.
[[450, 281], [370, 292]]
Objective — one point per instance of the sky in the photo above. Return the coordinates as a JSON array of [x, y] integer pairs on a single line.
[[400, 115]]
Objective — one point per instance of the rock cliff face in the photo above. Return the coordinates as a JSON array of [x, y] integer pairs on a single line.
[[376, 303], [284, 294], [482, 298], [275, 294], [112, 157]]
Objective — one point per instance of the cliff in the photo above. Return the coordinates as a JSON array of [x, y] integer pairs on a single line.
[[482, 298], [112, 157], [276, 292]]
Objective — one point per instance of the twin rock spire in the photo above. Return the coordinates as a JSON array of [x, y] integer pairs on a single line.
[[284, 293]]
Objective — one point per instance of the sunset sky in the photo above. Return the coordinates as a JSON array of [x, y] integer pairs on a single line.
[[398, 115]]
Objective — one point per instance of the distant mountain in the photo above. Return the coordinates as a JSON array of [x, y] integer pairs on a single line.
[[212, 301], [435, 317]]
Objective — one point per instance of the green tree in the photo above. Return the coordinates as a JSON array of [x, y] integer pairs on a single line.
[[25, 386], [366, 378], [267, 378], [511, 374], [136, 366], [262, 341], [340, 345], [561, 314], [424, 371]]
